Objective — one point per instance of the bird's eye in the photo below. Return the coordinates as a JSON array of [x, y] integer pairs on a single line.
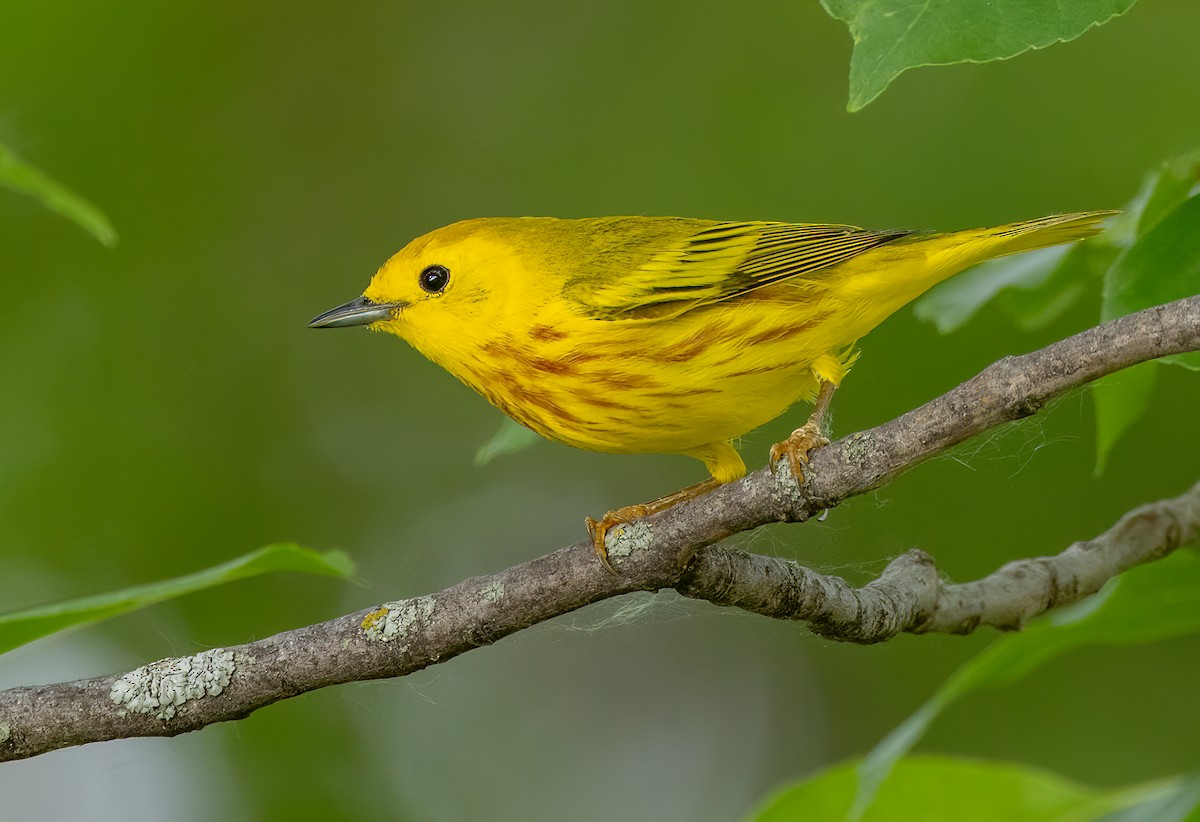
[[434, 278]]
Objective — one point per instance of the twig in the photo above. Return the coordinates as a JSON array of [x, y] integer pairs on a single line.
[[911, 596], [668, 550]]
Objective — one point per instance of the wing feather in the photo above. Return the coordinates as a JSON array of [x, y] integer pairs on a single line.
[[722, 262]]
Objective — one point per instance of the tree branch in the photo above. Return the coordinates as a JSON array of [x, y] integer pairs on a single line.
[[670, 550], [911, 596]]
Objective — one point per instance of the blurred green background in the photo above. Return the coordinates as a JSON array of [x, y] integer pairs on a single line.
[[165, 408]]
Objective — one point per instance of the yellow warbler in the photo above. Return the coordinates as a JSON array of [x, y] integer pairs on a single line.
[[663, 334]]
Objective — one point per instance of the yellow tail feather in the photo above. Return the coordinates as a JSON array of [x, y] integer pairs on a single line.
[[965, 248]]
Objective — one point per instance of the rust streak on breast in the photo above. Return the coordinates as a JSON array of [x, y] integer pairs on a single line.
[[762, 369], [780, 333], [546, 333]]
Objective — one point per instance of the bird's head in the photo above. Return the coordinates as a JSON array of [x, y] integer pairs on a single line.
[[437, 289]]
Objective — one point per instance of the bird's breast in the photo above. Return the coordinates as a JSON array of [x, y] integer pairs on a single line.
[[634, 387]]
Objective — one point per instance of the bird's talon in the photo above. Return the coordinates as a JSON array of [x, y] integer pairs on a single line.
[[797, 466], [797, 448], [598, 530]]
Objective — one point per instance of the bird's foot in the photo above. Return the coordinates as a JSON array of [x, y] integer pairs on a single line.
[[797, 448], [598, 529]]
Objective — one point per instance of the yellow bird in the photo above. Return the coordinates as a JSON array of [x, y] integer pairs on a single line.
[[663, 334]]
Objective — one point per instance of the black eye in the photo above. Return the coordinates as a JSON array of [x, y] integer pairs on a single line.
[[434, 278]]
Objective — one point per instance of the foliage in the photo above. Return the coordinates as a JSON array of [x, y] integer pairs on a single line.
[[1148, 604], [20, 627], [933, 788], [892, 36], [20, 176], [1147, 257], [1162, 265], [509, 438]]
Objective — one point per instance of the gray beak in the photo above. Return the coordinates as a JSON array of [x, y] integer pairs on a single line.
[[356, 312]]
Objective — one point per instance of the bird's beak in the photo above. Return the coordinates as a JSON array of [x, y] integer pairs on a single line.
[[356, 312]]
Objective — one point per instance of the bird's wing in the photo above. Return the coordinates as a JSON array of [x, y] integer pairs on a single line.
[[720, 262]]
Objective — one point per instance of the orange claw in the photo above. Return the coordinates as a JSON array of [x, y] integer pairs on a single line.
[[802, 442], [599, 529], [807, 438]]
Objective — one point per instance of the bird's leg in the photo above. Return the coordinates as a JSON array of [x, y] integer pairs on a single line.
[[598, 529], [807, 438]]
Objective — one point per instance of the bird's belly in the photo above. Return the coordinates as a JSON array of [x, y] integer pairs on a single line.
[[626, 396]]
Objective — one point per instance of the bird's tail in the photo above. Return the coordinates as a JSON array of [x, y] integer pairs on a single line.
[[885, 278], [966, 248]]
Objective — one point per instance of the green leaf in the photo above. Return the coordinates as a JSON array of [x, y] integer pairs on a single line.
[[21, 627], [954, 302], [1035, 288], [1179, 802], [508, 439], [935, 788], [1160, 263], [1120, 399], [20, 176], [1032, 289], [892, 36], [1079, 274], [1174, 182], [1163, 265], [1146, 604], [1161, 192]]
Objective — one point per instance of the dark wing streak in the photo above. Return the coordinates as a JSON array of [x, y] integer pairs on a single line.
[[784, 259], [728, 260]]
